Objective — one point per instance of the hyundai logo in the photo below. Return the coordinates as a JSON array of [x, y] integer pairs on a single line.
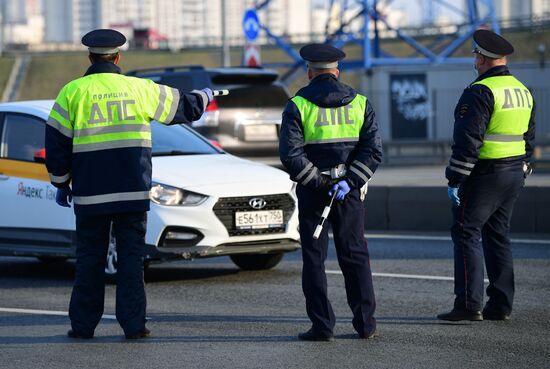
[[257, 203]]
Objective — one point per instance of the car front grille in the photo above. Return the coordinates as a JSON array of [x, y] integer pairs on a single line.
[[226, 207]]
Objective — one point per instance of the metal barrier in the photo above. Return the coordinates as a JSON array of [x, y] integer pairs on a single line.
[[439, 152], [416, 152]]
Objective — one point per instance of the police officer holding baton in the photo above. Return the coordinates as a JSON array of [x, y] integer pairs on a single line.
[[494, 136], [98, 153], [330, 143]]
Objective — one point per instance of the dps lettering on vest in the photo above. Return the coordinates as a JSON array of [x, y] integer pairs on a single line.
[[328, 125], [510, 120]]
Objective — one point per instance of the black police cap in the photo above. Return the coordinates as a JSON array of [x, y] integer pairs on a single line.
[[103, 41], [321, 56], [492, 45]]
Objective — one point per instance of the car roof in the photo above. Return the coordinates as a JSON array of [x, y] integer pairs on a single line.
[[241, 70], [198, 68], [35, 107]]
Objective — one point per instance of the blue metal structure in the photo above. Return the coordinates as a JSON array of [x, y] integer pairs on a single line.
[[476, 14]]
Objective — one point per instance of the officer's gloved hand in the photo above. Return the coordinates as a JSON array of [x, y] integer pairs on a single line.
[[208, 93], [527, 169], [64, 196], [342, 188], [452, 192]]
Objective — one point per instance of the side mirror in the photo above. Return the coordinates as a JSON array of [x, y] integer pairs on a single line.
[[40, 156]]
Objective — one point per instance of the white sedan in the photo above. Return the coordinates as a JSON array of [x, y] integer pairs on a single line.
[[204, 202]]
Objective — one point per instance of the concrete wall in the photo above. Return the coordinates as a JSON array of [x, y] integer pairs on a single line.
[[445, 84], [428, 209]]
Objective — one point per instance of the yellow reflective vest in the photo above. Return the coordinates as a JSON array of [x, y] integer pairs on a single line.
[[98, 137], [107, 110], [513, 104]]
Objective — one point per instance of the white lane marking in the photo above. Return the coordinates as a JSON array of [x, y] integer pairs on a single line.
[[440, 238], [405, 276], [45, 312]]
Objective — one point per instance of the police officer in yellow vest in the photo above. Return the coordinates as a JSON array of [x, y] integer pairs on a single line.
[[329, 142], [494, 136], [98, 153]]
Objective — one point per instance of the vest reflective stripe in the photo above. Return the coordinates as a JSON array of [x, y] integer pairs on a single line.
[[332, 140], [108, 145], [331, 125], [504, 138], [174, 105], [54, 123], [119, 128], [167, 97], [61, 111], [60, 120], [510, 120], [111, 197]]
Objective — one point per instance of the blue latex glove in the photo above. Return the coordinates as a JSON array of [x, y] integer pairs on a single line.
[[452, 192], [64, 196], [208, 93], [342, 189]]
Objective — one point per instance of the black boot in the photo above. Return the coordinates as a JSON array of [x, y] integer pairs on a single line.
[[141, 334], [491, 313], [311, 335], [458, 315]]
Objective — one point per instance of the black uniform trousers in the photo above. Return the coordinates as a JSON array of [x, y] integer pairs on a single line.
[[487, 200], [347, 221], [93, 232]]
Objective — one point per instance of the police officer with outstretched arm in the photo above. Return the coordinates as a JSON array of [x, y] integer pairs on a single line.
[[494, 136], [329, 142], [98, 153]]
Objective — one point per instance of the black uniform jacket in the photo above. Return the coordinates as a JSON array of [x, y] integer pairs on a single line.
[[305, 162], [472, 115]]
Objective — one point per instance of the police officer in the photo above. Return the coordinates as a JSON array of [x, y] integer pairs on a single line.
[[329, 142], [98, 141], [493, 142]]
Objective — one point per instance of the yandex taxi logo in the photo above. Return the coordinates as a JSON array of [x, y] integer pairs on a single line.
[[43, 193]]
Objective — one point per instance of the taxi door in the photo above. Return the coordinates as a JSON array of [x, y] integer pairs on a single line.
[[31, 223]]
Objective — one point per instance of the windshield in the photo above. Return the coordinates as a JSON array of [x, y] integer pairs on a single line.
[[179, 140]]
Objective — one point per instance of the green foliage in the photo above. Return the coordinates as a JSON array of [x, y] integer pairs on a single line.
[[6, 63]]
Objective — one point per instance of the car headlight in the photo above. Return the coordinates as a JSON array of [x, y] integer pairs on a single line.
[[172, 196]]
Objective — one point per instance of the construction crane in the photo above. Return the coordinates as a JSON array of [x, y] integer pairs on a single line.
[[370, 17]]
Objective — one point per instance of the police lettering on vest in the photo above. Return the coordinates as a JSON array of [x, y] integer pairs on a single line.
[[325, 125]]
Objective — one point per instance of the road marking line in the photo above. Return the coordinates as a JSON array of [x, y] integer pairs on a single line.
[[444, 238], [404, 276], [45, 312], [439, 238]]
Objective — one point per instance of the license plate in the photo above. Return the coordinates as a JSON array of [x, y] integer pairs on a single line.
[[259, 219], [263, 132]]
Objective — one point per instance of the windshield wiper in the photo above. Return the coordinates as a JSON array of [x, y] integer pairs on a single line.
[[175, 153]]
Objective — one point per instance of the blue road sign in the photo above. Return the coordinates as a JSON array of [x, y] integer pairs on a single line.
[[251, 25]]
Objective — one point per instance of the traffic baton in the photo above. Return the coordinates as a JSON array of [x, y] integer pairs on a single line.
[[220, 92], [324, 217]]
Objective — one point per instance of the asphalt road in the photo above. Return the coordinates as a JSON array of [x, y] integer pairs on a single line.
[[208, 314]]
